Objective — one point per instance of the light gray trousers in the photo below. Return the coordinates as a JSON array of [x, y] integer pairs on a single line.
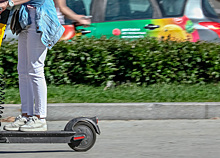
[[32, 84]]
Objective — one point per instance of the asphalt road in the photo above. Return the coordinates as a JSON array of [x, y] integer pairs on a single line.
[[134, 139]]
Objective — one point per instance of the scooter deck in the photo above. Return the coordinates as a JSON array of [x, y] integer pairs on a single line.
[[37, 134], [39, 137]]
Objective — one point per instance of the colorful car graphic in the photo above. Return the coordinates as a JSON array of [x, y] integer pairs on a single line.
[[179, 29], [180, 20]]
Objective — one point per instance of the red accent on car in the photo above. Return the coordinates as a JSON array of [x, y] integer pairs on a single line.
[[69, 32], [214, 26], [116, 32]]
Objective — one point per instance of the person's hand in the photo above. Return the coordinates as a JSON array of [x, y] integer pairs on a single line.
[[82, 21], [3, 5]]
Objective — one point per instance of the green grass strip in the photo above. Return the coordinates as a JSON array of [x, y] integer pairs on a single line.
[[125, 93]]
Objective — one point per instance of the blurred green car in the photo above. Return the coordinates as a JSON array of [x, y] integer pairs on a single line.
[[180, 20]]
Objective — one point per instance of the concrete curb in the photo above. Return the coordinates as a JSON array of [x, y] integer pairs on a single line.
[[126, 111]]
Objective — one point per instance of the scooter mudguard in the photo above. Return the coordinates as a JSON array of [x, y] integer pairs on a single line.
[[91, 120]]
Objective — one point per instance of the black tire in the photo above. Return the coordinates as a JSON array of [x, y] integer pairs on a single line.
[[90, 136]]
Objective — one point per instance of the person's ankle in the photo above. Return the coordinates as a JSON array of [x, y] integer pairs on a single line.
[[25, 115], [40, 118]]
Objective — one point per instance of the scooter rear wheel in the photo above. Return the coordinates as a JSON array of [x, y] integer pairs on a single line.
[[90, 136]]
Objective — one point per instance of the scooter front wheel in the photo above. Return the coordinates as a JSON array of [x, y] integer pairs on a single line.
[[88, 131]]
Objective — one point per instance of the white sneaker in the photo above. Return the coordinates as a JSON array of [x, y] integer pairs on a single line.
[[34, 124], [14, 126]]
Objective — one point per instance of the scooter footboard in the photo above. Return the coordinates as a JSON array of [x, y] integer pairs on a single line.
[[40, 137]]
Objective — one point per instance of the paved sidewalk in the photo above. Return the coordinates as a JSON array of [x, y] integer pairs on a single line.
[[133, 139], [126, 111]]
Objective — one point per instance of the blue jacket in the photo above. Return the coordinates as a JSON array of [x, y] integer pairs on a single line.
[[47, 21]]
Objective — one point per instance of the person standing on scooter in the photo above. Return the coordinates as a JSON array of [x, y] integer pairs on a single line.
[[41, 30]]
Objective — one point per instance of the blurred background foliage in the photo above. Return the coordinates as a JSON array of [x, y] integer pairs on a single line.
[[147, 61]]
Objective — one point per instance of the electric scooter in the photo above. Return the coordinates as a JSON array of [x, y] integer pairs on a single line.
[[79, 133]]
